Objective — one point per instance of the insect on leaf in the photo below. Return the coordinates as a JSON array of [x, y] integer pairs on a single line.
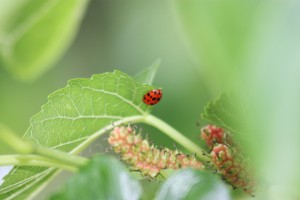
[[73, 118]]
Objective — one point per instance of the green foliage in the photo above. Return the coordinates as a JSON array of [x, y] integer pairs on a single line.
[[228, 112], [147, 75], [248, 46], [34, 33], [193, 185], [225, 112], [74, 117], [106, 178], [252, 46], [102, 178]]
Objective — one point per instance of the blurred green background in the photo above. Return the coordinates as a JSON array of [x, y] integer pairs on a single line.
[[206, 47], [124, 35]]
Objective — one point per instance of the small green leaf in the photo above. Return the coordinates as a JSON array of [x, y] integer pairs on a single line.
[[149, 189], [193, 185], [73, 118], [225, 112], [147, 76], [34, 33], [102, 178]]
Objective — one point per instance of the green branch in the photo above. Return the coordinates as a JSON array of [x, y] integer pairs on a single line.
[[30, 154], [33, 160], [60, 156], [176, 136]]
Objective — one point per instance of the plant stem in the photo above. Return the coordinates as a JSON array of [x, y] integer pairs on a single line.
[[30, 153], [60, 156], [32, 160], [176, 136], [37, 155]]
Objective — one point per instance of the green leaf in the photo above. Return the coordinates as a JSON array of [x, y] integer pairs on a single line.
[[225, 112], [74, 117], [27, 189], [147, 76], [149, 188], [191, 184], [102, 178], [34, 33]]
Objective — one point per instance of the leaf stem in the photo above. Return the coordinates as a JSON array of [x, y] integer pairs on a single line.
[[37, 155], [32, 160], [176, 136], [30, 153], [60, 156]]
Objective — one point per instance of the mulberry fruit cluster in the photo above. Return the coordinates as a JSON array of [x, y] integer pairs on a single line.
[[146, 158], [227, 159]]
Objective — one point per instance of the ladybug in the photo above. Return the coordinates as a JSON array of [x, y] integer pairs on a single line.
[[152, 97]]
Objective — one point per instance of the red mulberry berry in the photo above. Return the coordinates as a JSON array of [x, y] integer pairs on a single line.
[[145, 158]]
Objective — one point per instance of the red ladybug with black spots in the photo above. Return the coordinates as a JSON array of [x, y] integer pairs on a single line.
[[152, 97]]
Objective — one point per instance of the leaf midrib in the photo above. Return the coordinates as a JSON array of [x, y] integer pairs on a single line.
[[139, 116], [118, 96]]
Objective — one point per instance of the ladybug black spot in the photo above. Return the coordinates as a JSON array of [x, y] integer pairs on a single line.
[[152, 97]]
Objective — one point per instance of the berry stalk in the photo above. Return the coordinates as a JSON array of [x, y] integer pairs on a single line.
[[176, 136]]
